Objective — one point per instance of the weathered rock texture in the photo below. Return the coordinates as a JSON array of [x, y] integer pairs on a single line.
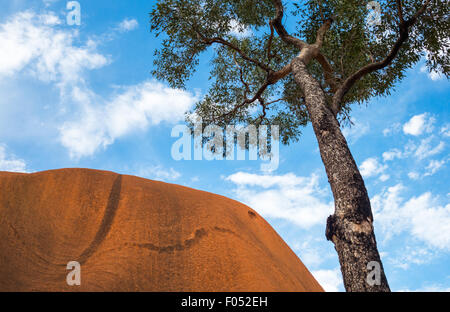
[[133, 234]]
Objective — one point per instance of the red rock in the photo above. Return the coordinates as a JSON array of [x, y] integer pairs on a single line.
[[133, 234]]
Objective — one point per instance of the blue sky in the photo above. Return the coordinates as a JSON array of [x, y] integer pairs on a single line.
[[83, 96]]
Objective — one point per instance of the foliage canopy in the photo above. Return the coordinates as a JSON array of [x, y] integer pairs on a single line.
[[242, 89]]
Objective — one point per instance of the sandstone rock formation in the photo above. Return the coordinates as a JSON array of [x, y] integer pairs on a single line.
[[133, 234]]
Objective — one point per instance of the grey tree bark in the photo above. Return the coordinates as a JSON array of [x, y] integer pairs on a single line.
[[350, 228]]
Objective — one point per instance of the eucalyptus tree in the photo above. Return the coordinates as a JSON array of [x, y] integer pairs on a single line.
[[311, 66]]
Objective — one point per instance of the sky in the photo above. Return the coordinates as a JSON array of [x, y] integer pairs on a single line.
[[83, 96]]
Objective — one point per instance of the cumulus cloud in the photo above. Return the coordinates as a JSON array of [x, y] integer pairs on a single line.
[[239, 30], [128, 25], [419, 124], [392, 154], [310, 251], [413, 175], [395, 128], [330, 280], [9, 162], [35, 45], [49, 2], [420, 151], [32, 44], [434, 166], [384, 177], [422, 216], [356, 131], [159, 173], [372, 167], [425, 149], [296, 199], [136, 108], [445, 130], [417, 148], [409, 255], [433, 74]]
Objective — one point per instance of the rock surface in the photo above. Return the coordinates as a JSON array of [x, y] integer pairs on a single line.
[[133, 234]]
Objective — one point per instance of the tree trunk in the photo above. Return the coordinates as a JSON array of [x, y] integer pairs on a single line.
[[350, 228]]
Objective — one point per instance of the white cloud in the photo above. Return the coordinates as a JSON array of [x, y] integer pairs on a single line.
[[422, 216], [356, 131], [138, 107], [433, 75], [392, 129], [413, 175], [420, 149], [386, 208], [411, 255], [392, 154], [330, 280], [297, 199], [10, 162], [428, 220], [445, 130], [128, 25], [425, 149], [50, 19], [159, 173], [384, 177], [311, 254], [31, 43], [239, 30], [49, 2], [371, 167], [434, 166], [419, 124]]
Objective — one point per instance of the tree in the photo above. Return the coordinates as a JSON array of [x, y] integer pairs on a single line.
[[332, 60]]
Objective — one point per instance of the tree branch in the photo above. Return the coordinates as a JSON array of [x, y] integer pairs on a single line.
[[241, 76], [414, 18], [269, 44], [274, 77], [224, 42], [275, 101], [400, 11], [277, 23], [328, 72], [322, 31], [247, 101], [326, 66], [271, 79], [352, 79], [264, 110]]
